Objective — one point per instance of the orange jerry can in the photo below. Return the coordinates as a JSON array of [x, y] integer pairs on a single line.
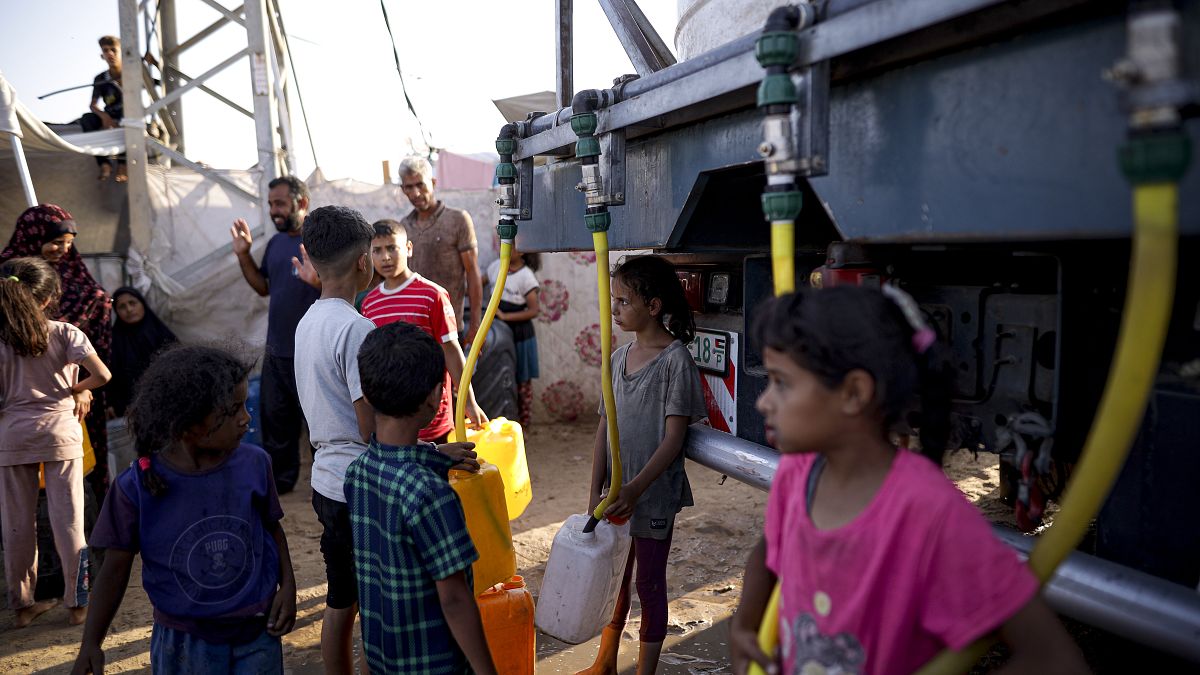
[[482, 496], [507, 613]]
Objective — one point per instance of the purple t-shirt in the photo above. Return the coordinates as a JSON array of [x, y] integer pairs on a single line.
[[209, 563], [290, 295]]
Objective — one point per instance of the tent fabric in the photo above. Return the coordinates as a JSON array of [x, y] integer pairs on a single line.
[[515, 108], [460, 172], [16, 120], [185, 265]]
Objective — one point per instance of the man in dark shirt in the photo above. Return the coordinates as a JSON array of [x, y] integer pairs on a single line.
[[106, 87], [291, 297]]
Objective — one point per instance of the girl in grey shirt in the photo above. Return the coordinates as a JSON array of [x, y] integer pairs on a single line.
[[658, 394]]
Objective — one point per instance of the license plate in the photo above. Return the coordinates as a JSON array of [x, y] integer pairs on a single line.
[[710, 351]]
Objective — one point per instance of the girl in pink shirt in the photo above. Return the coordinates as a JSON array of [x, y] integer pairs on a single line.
[[881, 561], [41, 409]]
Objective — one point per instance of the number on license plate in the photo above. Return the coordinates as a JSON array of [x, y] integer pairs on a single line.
[[710, 351]]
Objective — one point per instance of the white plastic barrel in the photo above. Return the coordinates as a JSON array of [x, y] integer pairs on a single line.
[[707, 24], [583, 577]]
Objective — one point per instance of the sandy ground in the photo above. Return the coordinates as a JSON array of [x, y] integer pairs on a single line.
[[704, 576]]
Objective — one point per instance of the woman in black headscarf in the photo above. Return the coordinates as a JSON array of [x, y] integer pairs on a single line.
[[138, 335]]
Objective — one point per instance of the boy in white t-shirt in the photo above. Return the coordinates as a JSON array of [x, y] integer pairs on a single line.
[[340, 421], [518, 308]]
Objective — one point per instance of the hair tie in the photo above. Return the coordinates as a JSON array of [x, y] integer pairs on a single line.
[[923, 336], [14, 278], [144, 463]]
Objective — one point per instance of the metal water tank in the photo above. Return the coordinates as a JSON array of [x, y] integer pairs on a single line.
[[705, 24]]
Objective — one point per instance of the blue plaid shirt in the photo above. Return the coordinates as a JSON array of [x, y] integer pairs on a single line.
[[409, 532]]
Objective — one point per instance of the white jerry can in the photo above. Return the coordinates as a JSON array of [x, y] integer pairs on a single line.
[[582, 580]]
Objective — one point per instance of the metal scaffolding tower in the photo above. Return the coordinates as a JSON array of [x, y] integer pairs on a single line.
[[265, 50]]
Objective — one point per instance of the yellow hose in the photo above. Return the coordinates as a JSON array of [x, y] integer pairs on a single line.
[[464, 384], [783, 268], [1144, 323], [600, 243], [783, 245]]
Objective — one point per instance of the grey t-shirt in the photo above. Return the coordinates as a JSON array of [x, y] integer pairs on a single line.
[[668, 385], [327, 342]]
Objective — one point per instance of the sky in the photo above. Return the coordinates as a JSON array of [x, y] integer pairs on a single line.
[[457, 56]]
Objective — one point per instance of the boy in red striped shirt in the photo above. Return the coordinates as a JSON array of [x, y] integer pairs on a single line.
[[406, 296]]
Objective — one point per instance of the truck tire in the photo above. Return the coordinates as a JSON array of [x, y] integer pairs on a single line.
[[495, 380]]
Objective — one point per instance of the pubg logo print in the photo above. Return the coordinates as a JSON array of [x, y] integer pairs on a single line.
[[219, 562]]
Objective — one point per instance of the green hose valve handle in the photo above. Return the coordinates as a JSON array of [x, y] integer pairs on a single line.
[[584, 124], [597, 222], [506, 146], [587, 146], [782, 205], [1157, 158], [506, 230], [777, 90], [777, 48], [506, 170]]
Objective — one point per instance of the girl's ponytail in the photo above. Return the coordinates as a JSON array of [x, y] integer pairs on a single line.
[[652, 277], [26, 284], [149, 478], [934, 383], [149, 436], [934, 376]]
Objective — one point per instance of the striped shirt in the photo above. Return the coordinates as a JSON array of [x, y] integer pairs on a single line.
[[409, 533], [426, 305]]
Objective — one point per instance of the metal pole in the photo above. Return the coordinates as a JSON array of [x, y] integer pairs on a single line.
[[264, 103], [564, 47], [285, 124], [134, 124], [639, 47], [279, 71], [1121, 600], [170, 45], [23, 171]]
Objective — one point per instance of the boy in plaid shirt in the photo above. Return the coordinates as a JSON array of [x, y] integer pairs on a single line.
[[412, 552]]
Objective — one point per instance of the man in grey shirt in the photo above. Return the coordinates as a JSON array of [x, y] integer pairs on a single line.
[[444, 247]]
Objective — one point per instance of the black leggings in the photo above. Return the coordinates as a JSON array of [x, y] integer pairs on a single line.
[[92, 122], [651, 558]]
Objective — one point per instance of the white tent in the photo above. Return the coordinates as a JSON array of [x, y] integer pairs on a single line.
[[183, 260]]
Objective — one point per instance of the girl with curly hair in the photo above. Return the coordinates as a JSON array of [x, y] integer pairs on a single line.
[[201, 509]]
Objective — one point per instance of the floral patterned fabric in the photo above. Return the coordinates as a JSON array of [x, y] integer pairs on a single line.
[[563, 400], [569, 341], [587, 345], [554, 299]]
